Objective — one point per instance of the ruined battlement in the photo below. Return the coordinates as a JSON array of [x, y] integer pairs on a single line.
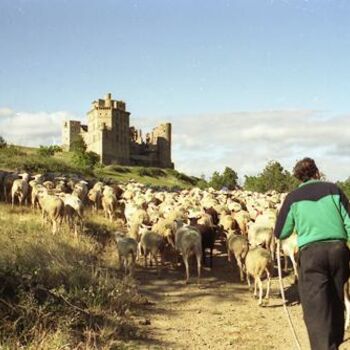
[[108, 133]]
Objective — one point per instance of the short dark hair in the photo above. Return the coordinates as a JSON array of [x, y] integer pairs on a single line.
[[305, 169]]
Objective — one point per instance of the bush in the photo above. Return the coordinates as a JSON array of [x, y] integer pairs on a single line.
[[48, 151], [85, 160]]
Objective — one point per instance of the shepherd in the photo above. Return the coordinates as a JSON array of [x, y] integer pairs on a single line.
[[319, 213]]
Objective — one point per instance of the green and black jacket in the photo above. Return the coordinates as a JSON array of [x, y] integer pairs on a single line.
[[317, 211]]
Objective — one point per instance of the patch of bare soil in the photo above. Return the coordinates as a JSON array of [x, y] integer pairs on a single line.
[[219, 313]]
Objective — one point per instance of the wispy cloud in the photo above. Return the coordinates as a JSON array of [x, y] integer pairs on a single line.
[[245, 141]]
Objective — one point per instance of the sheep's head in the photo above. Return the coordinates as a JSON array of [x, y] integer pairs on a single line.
[[144, 228]]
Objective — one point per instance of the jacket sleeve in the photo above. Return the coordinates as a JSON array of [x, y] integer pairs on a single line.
[[345, 212], [285, 221]]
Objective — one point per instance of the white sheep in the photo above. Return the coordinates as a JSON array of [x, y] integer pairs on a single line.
[[261, 233], [109, 205], [53, 208], [73, 211], [289, 247], [237, 246], [127, 251], [257, 262], [81, 190], [151, 243], [20, 189], [188, 241]]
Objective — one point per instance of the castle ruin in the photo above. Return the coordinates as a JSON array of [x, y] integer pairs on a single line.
[[108, 133]]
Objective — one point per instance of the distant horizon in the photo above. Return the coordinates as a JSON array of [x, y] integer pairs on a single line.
[[242, 82]]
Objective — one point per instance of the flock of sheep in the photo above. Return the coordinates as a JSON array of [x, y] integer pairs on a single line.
[[156, 225]]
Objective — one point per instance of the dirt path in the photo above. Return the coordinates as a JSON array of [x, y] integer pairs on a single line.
[[220, 313]]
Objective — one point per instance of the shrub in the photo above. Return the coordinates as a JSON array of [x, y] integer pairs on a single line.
[[47, 151], [151, 172], [86, 160]]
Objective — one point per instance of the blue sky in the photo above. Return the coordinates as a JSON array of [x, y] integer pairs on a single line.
[[184, 60]]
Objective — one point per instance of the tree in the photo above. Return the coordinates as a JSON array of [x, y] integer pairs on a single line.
[[345, 186], [227, 179], [3, 143], [273, 177], [81, 158]]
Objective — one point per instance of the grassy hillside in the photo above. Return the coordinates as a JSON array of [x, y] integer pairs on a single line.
[[24, 158], [57, 292]]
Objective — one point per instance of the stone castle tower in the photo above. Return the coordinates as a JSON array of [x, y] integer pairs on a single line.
[[108, 133]]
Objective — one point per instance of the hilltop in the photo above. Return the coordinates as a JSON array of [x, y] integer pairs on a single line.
[[19, 158]]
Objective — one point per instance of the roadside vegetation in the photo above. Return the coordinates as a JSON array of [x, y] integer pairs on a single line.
[[57, 292]]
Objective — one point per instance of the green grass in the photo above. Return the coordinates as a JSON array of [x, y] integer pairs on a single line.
[[24, 158], [60, 292]]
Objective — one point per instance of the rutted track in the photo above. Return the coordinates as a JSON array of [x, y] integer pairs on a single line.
[[220, 313]]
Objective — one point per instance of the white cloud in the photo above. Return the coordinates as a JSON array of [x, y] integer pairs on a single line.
[[245, 141], [32, 129]]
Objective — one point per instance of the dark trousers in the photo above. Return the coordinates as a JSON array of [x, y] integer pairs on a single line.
[[323, 270]]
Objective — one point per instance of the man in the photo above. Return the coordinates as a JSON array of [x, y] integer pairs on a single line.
[[319, 213]]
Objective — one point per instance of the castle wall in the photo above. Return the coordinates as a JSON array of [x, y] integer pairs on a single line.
[[70, 130], [161, 136]]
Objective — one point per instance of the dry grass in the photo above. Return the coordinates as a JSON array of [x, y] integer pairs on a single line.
[[57, 292]]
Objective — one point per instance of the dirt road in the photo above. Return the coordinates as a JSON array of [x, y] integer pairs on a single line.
[[220, 313]]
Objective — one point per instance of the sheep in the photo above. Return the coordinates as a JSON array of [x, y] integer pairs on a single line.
[[258, 261], [7, 182], [36, 189], [61, 186], [2, 178], [208, 236], [237, 246], [109, 204], [95, 196], [133, 231], [213, 214], [73, 211], [152, 244], [261, 233], [49, 185], [242, 218], [53, 208], [81, 190], [20, 188], [126, 248], [289, 247], [227, 222], [187, 241], [140, 216]]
